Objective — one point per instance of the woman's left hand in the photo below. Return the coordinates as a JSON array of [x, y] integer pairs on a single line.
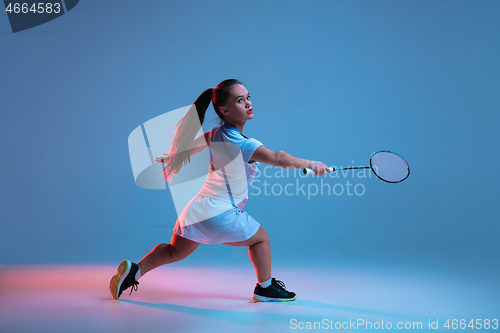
[[163, 159]]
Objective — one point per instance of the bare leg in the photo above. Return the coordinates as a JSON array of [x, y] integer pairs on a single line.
[[259, 251], [178, 249]]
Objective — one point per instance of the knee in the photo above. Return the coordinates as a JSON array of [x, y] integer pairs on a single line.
[[263, 238]]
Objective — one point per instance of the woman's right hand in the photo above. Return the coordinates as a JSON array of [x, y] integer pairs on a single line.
[[318, 167]]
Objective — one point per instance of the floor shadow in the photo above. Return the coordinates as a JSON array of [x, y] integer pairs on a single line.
[[321, 305], [236, 316], [250, 317]]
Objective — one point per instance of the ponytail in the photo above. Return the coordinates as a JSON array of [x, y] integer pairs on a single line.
[[190, 124], [186, 130]]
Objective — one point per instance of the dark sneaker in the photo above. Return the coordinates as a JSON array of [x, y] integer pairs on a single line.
[[124, 279], [274, 293]]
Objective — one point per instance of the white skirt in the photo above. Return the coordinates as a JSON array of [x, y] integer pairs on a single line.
[[232, 225]]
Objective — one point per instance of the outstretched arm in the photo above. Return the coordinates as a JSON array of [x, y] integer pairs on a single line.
[[283, 159], [199, 144]]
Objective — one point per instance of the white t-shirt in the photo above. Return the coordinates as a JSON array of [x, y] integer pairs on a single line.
[[230, 174]]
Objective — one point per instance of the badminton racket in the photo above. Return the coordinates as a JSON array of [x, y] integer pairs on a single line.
[[386, 165]]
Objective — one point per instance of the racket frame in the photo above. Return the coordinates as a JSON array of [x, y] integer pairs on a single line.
[[332, 169], [389, 181]]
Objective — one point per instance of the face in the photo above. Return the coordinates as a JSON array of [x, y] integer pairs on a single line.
[[238, 108]]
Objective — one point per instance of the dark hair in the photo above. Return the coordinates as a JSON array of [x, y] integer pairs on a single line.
[[189, 126], [221, 94]]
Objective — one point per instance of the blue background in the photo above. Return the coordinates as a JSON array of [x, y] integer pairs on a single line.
[[330, 80]]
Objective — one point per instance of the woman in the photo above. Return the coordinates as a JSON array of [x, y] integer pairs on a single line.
[[215, 215]]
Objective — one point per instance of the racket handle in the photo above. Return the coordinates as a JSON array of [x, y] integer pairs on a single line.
[[307, 171]]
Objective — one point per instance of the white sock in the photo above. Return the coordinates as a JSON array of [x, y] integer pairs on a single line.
[[265, 284], [138, 274]]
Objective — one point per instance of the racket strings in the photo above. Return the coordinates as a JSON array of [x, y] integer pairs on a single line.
[[389, 166]]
